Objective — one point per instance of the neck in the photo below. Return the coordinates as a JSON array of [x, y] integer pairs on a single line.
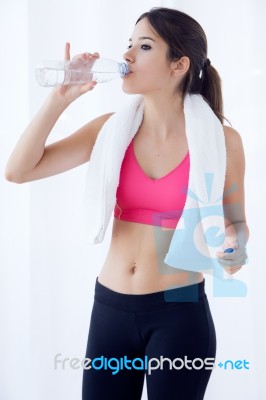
[[163, 116]]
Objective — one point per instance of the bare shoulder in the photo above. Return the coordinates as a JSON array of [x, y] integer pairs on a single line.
[[233, 140], [234, 148]]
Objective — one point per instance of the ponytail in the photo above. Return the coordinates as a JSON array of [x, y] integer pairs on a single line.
[[211, 90]]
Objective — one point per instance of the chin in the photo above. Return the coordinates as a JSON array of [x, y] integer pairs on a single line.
[[131, 92], [130, 89]]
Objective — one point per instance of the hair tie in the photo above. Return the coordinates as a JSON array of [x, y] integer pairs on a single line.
[[206, 65]]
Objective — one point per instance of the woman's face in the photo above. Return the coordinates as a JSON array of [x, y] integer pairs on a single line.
[[148, 62]]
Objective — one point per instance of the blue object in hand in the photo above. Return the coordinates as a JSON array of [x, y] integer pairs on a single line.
[[233, 256], [229, 250]]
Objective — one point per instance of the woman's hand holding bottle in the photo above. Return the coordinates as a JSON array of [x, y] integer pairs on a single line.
[[71, 92]]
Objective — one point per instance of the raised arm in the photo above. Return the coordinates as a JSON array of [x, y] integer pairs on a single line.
[[31, 159]]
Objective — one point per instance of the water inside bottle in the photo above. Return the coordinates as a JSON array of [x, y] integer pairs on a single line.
[[85, 76], [50, 76], [104, 76], [86, 73]]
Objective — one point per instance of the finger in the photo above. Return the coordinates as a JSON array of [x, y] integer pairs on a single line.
[[86, 56], [232, 263], [89, 86], [67, 51], [233, 255], [237, 258], [90, 56]]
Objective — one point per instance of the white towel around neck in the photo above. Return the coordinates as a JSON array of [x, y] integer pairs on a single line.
[[199, 231]]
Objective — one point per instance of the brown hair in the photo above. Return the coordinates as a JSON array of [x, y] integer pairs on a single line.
[[185, 37]]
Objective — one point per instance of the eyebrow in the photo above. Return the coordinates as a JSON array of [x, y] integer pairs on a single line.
[[144, 37]]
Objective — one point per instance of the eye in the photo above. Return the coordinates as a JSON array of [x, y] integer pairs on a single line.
[[145, 47]]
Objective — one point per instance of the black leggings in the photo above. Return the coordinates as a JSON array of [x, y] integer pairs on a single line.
[[126, 331]]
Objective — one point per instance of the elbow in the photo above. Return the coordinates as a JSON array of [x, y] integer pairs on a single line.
[[13, 177]]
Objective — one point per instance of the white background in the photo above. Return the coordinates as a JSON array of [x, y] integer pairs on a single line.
[[47, 274]]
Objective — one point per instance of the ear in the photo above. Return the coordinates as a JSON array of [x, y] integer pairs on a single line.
[[181, 66]]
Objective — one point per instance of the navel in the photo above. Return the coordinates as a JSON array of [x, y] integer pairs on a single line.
[[133, 268]]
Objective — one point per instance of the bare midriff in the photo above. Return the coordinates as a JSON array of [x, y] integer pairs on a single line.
[[135, 260]]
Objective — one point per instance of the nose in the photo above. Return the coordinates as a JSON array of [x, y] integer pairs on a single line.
[[128, 56]]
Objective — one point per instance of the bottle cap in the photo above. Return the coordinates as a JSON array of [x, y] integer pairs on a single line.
[[229, 250], [124, 69]]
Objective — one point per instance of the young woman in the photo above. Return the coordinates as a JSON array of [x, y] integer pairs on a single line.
[[131, 318]]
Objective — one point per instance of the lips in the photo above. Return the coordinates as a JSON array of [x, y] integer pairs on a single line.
[[127, 75]]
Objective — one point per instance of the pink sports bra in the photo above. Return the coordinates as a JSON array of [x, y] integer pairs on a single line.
[[157, 202]]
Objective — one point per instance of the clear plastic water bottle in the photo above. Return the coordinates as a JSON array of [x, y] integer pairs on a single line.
[[73, 72]]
